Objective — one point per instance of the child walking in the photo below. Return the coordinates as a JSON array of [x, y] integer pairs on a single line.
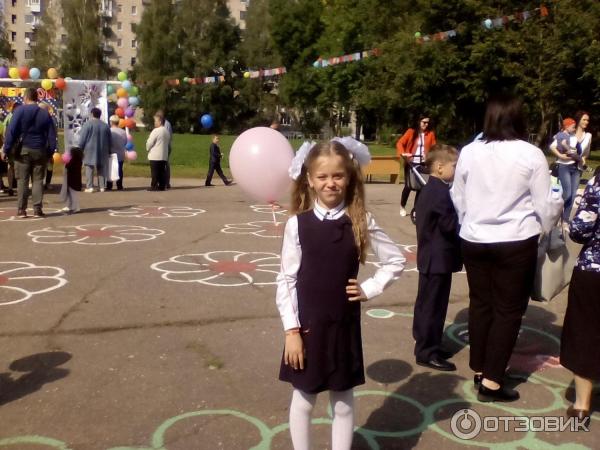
[[438, 256], [72, 183], [318, 295]]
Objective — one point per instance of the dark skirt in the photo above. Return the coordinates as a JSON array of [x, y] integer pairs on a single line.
[[333, 358], [580, 343]]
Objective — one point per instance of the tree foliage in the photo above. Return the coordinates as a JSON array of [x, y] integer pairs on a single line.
[[44, 53], [82, 56]]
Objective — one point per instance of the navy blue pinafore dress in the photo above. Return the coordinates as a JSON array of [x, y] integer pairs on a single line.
[[330, 322]]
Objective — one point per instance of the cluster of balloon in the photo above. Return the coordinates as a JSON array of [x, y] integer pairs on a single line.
[[127, 99], [259, 161], [206, 121], [25, 73]]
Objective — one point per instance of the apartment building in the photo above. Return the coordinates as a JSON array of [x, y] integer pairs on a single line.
[[118, 21]]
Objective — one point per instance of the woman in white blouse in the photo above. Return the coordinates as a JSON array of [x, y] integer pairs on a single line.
[[503, 198], [157, 146], [570, 171]]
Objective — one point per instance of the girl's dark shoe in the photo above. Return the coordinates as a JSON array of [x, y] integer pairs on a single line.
[[502, 394], [582, 414], [477, 379]]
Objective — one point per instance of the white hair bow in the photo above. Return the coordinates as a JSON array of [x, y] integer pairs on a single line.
[[356, 148]]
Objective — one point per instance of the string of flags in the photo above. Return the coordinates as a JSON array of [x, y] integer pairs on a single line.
[[346, 58], [488, 24]]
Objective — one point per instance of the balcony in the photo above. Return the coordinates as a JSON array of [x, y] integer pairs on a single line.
[[106, 13], [35, 6], [106, 48]]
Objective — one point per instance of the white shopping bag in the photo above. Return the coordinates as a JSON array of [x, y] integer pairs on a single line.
[[113, 168]]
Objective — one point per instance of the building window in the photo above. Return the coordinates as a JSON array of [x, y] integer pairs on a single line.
[[13, 36], [119, 26], [133, 61], [119, 43], [63, 38], [28, 19], [28, 54], [119, 8], [14, 18], [118, 60], [133, 43], [14, 3], [30, 36], [242, 15], [133, 10]]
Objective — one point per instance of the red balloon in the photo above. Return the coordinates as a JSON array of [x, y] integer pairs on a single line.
[[119, 112], [60, 83], [24, 72], [130, 123]]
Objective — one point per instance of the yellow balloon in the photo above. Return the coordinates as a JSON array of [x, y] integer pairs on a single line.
[[52, 73], [13, 72], [47, 84], [246, 74]]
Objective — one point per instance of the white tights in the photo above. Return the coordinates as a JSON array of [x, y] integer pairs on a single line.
[[342, 405]]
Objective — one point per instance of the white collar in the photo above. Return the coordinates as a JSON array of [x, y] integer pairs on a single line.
[[323, 213]]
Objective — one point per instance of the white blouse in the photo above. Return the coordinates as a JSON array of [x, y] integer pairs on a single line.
[[502, 192], [387, 253]]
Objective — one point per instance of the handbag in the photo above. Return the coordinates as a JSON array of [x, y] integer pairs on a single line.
[[557, 255], [113, 168]]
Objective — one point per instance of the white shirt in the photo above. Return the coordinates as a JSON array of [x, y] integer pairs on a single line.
[[391, 259], [419, 156], [502, 192]]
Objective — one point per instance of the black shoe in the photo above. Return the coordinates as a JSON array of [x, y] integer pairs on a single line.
[[228, 183], [168, 186], [37, 212], [152, 189], [22, 214], [477, 379], [445, 354], [11, 192], [438, 363], [499, 395]]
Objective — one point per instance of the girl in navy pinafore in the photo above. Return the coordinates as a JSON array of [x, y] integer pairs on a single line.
[[318, 295]]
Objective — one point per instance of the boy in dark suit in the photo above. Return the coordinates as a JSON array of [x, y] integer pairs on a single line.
[[438, 256], [215, 163]]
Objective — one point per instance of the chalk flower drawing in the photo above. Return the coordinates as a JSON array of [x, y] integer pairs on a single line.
[[223, 268], [9, 214], [157, 212], [261, 228], [20, 281], [94, 234]]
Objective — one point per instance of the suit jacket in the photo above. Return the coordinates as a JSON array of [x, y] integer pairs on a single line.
[[215, 153], [438, 243]]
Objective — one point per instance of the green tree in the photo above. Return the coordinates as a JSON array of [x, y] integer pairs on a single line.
[[158, 59], [82, 55], [209, 42], [44, 52], [257, 51], [5, 48]]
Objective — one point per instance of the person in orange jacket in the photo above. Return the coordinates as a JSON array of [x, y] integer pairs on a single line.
[[414, 147]]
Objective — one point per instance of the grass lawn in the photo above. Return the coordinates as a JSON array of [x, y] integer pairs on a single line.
[[189, 158]]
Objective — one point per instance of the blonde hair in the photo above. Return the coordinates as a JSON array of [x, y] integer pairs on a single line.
[[303, 196], [441, 153]]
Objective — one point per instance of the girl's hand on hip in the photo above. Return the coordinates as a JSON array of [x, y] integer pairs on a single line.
[[293, 353], [355, 293]]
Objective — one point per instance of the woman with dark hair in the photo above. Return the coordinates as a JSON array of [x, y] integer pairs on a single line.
[[502, 194], [569, 169], [414, 146]]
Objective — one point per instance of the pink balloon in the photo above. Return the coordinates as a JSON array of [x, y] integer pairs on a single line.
[[259, 160], [131, 155], [122, 102], [130, 138], [66, 157]]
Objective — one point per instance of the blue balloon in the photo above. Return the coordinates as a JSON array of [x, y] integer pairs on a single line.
[[206, 120], [129, 146], [134, 101], [126, 84], [488, 23], [34, 73]]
